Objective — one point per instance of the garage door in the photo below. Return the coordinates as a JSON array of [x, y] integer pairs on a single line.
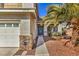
[[9, 34]]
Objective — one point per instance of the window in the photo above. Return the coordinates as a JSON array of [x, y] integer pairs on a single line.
[[55, 29], [16, 25], [9, 25], [2, 25]]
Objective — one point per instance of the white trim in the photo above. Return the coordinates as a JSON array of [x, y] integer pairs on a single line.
[[17, 10]]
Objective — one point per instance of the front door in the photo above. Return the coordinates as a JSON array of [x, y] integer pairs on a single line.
[[40, 30]]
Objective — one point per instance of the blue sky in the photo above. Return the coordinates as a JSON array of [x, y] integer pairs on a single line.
[[42, 8]]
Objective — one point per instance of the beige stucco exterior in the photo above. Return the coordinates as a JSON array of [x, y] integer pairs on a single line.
[[25, 17]]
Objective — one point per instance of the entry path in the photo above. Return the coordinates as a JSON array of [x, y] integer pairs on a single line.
[[41, 49]]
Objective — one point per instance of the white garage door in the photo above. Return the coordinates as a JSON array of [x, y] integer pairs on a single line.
[[9, 34]]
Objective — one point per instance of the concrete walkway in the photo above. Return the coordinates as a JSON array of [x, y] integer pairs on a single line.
[[8, 51], [41, 49]]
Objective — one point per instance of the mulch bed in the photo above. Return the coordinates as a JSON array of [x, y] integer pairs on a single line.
[[57, 48]]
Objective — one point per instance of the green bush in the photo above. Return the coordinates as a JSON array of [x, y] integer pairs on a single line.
[[56, 34]]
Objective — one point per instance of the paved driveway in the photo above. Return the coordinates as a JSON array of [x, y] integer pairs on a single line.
[[8, 51]]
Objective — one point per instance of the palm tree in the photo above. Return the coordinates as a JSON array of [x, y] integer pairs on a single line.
[[54, 12], [54, 15], [67, 12], [71, 11]]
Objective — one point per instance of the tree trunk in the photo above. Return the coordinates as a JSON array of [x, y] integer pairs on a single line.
[[75, 35]]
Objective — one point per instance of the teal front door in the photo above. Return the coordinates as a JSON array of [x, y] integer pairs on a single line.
[[40, 30]]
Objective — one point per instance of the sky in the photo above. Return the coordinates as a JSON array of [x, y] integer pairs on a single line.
[[42, 8]]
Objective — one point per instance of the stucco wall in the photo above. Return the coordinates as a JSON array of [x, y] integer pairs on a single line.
[[60, 26], [27, 5], [25, 27], [33, 28], [12, 5]]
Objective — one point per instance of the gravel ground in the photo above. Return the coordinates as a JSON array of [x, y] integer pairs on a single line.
[[57, 48]]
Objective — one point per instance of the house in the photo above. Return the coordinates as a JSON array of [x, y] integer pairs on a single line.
[[59, 28], [18, 25]]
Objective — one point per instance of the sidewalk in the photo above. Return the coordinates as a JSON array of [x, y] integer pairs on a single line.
[[41, 49]]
